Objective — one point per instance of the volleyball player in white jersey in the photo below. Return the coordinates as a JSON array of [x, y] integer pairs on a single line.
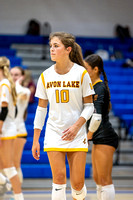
[[67, 87], [8, 99], [23, 95]]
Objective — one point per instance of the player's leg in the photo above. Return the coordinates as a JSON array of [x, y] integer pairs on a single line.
[[18, 150], [6, 154], [5, 184], [77, 162], [58, 167], [95, 174], [104, 161]]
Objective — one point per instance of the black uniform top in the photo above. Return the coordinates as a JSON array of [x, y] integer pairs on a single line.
[[105, 133]]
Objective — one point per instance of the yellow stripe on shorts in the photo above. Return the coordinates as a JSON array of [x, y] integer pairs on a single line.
[[66, 149], [8, 138]]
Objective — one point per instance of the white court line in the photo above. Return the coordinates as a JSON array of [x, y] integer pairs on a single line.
[[91, 195]]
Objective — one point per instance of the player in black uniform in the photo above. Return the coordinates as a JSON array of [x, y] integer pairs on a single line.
[[100, 131]]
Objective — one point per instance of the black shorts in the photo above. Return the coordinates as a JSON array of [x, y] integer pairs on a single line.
[[111, 142]]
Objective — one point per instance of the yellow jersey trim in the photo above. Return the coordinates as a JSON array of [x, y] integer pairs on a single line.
[[66, 149], [6, 86], [21, 134], [8, 138], [97, 82], [43, 81], [84, 72]]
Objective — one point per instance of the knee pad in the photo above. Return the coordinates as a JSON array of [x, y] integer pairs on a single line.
[[10, 172], [79, 195], [59, 192]]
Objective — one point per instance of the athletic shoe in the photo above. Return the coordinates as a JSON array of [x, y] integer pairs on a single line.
[[12, 198]]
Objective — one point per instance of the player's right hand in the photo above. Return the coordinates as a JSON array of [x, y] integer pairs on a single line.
[[36, 150]]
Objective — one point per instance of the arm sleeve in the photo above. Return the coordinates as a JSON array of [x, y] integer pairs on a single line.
[[3, 113], [41, 90], [95, 122], [87, 111], [87, 85], [40, 117]]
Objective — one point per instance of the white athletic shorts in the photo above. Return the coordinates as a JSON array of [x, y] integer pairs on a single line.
[[9, 129], [53, 142], [21, 129]]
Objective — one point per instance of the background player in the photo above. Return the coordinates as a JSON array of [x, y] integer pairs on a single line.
[[23, 95], [67, 87], [8, 98], [104, 138]]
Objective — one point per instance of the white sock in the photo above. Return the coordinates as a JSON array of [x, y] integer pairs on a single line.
[[108, 192], [18, 196], [2, 179], [59, 192], [98, 189]]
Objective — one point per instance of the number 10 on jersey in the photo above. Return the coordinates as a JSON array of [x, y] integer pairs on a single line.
[[62, 96]]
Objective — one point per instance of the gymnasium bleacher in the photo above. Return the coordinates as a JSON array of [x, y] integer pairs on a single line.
[[28, 51]]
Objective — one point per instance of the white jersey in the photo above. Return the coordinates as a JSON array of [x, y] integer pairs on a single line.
[[65, 95], [23, 95], [9, 128]]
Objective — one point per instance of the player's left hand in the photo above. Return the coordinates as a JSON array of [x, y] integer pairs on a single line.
[[70, 133], [0, 129], [89, 135], [20, 80]]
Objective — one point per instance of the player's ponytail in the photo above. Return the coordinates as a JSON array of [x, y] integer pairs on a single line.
[[106, 84], [13, 90], [76, 54], [4, 65]]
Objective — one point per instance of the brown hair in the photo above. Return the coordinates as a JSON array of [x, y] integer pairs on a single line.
[[4, 65], [95, 60], [20, 69], [68, 40]]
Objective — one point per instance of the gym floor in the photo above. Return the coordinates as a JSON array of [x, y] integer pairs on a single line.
[[91, 195], [40, 189]]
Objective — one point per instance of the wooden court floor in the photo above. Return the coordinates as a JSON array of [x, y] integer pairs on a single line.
[[91, 195]]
